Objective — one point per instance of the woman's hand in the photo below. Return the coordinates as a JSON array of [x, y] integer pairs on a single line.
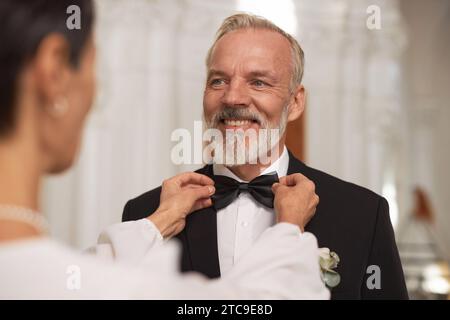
[[295, 200], [181, 195]]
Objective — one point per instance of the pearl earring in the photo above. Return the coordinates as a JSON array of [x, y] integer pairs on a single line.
[[60, 107]]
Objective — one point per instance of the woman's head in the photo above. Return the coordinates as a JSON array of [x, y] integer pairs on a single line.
[[47, 79]]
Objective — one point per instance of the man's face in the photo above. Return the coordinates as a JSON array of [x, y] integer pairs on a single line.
[[248, 82]]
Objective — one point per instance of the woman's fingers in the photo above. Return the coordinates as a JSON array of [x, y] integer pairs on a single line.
[[202, 204], [292, 179], [189, 180], [275, 187], [200, 193], [192, 178], [282, 180], [197, 198]]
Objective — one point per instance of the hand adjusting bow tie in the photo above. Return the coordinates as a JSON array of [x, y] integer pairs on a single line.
[[228, 189]]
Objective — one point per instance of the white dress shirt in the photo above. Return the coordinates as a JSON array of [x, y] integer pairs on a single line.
[[241, 223]]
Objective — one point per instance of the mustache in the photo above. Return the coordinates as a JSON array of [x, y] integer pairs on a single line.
[[231, 113]]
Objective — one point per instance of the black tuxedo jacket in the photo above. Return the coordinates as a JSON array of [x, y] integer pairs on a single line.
[[350, 220]]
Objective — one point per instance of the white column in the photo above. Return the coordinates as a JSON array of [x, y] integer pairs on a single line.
[[353, 78]]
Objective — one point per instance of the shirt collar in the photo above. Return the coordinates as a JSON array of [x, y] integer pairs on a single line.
[[280, 166]]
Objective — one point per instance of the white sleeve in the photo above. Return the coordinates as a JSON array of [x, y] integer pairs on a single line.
[[128, 242], [283, 264]]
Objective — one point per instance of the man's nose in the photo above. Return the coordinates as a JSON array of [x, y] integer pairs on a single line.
[[236, 95]]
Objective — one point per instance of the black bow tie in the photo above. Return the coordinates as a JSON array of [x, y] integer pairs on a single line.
[[228, 189]]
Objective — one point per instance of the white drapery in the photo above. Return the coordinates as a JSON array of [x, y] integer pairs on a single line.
[[151, 76]]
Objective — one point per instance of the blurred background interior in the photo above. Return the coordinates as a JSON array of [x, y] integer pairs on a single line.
[[378, 112]]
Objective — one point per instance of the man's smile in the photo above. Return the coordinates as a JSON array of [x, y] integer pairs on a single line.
[[235, 124]]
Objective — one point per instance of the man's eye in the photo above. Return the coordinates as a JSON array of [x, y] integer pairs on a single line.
[[217, 82], [259, 83]]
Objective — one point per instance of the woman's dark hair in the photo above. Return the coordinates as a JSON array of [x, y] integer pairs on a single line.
[[23, 25]]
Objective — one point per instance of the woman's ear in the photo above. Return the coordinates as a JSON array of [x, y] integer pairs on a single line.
[[52, 69], [297, 105]]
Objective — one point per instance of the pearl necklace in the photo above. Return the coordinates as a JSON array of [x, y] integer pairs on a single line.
[[25, 215]]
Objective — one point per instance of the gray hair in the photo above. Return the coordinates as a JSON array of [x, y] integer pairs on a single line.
[[247, 21]]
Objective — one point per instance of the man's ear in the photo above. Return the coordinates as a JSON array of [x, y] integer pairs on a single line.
[[297, 105], [51, 68]]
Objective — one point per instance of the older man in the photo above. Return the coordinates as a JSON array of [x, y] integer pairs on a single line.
[[254, 82]]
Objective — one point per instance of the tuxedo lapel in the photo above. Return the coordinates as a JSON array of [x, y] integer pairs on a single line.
[[201, 235], [296, 166]]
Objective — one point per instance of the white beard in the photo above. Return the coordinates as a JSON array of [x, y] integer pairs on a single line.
[[262, 147]]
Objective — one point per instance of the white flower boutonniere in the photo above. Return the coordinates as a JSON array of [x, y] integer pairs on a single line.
[[328, 261]]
